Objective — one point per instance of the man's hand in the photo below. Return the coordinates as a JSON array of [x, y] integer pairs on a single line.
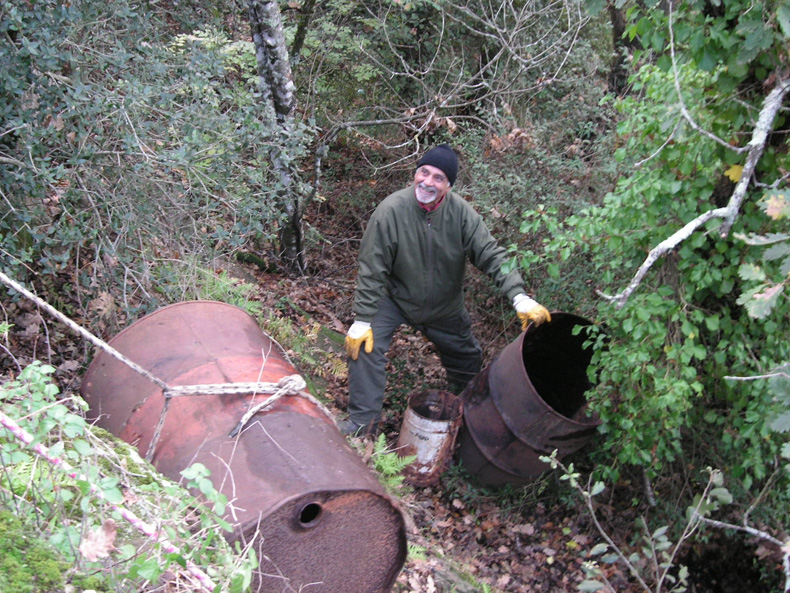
[[528, 310], [359, 333]]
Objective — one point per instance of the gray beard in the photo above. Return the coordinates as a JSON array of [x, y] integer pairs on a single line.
[[423, 200]]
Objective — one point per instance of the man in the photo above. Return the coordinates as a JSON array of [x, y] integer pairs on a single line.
[[411, 270]]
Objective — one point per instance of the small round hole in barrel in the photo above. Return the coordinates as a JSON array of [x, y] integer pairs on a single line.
[[310, 514]]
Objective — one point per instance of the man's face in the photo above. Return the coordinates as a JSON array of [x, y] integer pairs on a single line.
[[430, 184]]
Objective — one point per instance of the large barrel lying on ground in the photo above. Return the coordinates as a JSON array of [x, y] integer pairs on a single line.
[[318, 515], [528, 402]]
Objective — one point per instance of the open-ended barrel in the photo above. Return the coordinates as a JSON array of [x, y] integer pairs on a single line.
[[317, 514], [527, 403]]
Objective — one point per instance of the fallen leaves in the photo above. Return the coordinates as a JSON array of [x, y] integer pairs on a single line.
[[99, 542]]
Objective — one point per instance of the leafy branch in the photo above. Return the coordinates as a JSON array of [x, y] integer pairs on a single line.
[[728, 214]]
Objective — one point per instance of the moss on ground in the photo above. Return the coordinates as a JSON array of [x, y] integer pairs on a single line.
[[28, 564]]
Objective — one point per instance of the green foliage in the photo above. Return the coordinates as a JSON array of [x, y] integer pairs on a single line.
[[311, 344], [28, 564], [661, 359], [746, 37], [185, 281], [652, 557], [769, 280], [389, 464], [126, 148], [55, 513]]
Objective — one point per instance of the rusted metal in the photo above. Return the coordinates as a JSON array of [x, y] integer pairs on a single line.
[[528, 402], [429, 429], [317, 515]]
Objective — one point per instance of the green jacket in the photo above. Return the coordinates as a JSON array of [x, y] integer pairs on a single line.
[[419, 258]]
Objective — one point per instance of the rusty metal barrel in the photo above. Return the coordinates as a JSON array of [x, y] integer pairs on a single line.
[[318, 517], [428, 432], [527, 403]]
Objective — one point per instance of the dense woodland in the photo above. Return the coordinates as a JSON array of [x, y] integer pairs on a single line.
[[633, 156]]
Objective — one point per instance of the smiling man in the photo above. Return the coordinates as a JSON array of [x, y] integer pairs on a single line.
[[411, 271]]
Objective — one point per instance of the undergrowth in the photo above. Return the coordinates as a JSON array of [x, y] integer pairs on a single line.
[[64, 526]]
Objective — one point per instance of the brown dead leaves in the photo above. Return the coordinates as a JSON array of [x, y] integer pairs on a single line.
[[99, 542]]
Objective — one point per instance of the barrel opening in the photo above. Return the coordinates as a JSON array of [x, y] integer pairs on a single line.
[[556, 363], [436, 405], [310, 515]]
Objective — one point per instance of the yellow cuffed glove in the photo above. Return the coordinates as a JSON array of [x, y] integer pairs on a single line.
[[359, 333], [529, 310]]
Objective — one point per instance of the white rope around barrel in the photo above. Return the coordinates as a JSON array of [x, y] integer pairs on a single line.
[[290, 385], [293, 383]]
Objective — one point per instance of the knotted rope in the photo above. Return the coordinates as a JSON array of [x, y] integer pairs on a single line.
[[287, 386]]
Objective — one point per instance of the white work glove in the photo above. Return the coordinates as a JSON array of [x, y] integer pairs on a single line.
[[529, 310], [359, 333]]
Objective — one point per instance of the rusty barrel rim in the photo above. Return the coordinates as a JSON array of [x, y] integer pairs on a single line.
[[508, 425]]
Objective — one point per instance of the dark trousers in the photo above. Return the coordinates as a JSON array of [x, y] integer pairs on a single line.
[[459, 352]]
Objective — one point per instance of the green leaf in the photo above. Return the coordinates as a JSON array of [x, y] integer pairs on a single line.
[[783, 17], [599, 549], [781, 424], [149, 570], [593, 7], [82, 447], [707, 61], [777, 251], [597, 488], [767, 239], [763, 303], [196, 470], [722, 495], [751, 272], [84, 487], [589, 586], [660, 532], [113, 495]]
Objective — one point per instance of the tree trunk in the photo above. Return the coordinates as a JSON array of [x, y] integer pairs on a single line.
[[618, 72], [275, 83], [301, 31]]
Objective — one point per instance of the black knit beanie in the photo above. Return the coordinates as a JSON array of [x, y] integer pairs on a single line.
[[442, 157]]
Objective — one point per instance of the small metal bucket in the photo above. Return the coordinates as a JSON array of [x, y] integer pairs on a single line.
[[528, 402], [429, 429]]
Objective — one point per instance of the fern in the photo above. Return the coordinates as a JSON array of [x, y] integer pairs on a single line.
[[416, 552], [389, 464]]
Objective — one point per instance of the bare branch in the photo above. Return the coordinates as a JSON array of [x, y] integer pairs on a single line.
[[510, 49], [683, 110], [4, 160], [756, 377], [662, 249], [756, 146], [730, 212]]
